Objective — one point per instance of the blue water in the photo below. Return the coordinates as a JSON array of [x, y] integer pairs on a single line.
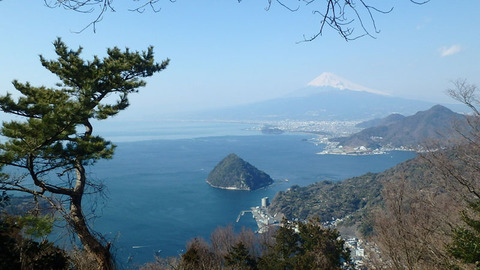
[[158, 198]]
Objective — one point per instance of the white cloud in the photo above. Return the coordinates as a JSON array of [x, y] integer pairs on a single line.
[[446, 51]]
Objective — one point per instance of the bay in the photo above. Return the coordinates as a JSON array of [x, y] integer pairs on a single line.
[[157, 197]]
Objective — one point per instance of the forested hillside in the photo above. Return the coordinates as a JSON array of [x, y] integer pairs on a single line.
[[354, 197], [235, 173]]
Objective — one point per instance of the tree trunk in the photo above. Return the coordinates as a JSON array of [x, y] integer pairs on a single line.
[[91, 244]]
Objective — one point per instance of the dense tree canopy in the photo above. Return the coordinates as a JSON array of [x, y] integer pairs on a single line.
[[466, 239], [51, 138], [18, 250], [294, 245], [306, 246]]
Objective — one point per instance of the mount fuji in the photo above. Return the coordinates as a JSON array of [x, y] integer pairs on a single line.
[[327, 79], [327, 97]]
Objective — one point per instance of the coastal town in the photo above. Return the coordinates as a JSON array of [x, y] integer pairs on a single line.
[[322, 128], [323, 132], [359, 249]]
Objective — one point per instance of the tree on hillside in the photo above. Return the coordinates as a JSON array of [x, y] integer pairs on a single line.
[[342, 16], [307, 245], [466, 239], [430, 218], [239, 258], [50, 142], [19, 250], [461, 168], [294, 245], [414, 224]]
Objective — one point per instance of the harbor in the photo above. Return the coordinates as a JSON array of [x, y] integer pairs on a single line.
[[262, 217]]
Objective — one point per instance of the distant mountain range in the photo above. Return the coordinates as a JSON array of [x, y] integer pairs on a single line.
[[327, 97], [437, 123], [392, 118]]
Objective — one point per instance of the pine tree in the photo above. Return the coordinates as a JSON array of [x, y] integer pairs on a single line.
[[52, 136], [283, 253], [466, 240], [322, 248], [239, 258], [307, 245]]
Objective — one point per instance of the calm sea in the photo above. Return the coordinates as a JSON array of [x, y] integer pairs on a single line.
[[157, 195]]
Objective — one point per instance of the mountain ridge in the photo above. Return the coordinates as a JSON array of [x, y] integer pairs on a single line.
[[351, 200], [327, 105], [394, 117], [436, 123], [328, 97]]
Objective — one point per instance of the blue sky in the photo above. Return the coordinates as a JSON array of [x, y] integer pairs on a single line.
[[225, 53]]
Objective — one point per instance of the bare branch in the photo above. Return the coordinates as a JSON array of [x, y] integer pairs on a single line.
[[285, 6], [343, 16], [151, 4], [465, 93]]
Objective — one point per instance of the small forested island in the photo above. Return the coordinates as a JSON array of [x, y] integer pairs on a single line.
[[271, 130], [236, 174]]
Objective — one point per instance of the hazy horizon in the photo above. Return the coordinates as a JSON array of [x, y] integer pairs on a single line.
[[229, 53]]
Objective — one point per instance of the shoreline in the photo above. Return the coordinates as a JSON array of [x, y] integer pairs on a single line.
[[227, 188]]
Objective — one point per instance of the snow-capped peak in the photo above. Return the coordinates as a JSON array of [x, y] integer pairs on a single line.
[[332, 80]]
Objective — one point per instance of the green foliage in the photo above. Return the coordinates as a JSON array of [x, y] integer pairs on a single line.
[[43, 255], [17, 252], [322, 246], [53, 115], [240, 258], [46, 138], [198, 256], [36, 226], [306, 246], [294, 245], [284, 253], [233, 171], [466, 240], [4, 199], [355, 198], [327, 199], [9, 236]]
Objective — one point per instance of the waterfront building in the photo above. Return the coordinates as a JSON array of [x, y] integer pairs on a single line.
[[265, 202]]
